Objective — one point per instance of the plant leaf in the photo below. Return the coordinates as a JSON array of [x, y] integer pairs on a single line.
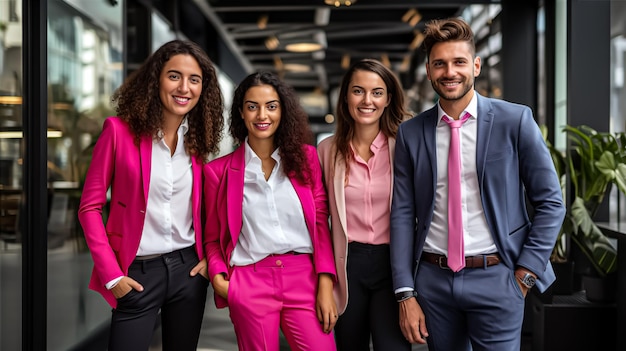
[[620, 177], [594, 244]]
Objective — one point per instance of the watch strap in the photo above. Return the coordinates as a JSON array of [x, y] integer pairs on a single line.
[[405, 295]]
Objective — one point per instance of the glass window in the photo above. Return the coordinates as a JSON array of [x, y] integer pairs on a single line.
[[11, 153], [85, 46], [618, 94]]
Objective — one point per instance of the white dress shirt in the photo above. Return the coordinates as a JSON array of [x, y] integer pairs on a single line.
[[476, 235], [273, 220], [168, 225], [169, 222]]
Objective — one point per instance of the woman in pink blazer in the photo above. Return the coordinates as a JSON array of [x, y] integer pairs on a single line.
[[358, 170], [148, 254], [266, 235]]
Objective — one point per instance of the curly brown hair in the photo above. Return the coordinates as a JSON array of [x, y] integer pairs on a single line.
[[293, 131], [450, 29], [138, 103], [391, 118]]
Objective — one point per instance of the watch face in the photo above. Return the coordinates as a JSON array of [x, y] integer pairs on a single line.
[[529, 280]]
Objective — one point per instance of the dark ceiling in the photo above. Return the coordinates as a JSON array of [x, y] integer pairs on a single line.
[[380, 29]]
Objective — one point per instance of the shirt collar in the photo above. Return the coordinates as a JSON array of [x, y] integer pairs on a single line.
[[250, 155], [379, 141], [184, 126], [471, 108]]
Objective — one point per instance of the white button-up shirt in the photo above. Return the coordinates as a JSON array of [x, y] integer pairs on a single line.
[[169, 221], [273, 220]]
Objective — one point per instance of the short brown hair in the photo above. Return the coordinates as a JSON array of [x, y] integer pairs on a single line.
[[450, 29]]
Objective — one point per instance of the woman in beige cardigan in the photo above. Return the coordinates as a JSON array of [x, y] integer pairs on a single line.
[[358, 172]]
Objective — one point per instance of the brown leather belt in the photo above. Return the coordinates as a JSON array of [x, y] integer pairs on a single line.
[[479, 261]]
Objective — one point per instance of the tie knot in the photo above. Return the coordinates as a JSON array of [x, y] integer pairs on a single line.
[[456, 123]]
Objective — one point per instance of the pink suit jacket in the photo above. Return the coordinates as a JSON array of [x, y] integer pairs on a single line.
[[120, 164], [223, 193], [334, 179]]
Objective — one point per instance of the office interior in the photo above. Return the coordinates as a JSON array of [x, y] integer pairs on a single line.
[[60, 61]]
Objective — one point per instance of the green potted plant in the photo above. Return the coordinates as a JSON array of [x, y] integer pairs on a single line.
[[595, 163]]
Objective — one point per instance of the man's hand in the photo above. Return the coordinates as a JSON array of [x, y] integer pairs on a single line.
[[520, 272], [413, 321]]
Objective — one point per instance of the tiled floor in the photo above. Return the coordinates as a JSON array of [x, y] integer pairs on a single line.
[[218, 334]]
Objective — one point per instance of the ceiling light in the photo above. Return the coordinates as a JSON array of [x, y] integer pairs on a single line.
[[407, 16], [303, 47], [297, 67], [415, 19], [406, 63], [271, 43], [278, 63], [417, 40], [10, 100], [345, 61], [412, 17], [18, 134], [384, 59], [262, 22], [338, 3]]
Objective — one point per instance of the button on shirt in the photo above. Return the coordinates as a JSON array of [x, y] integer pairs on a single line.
[[367, 195], [169, 222], [476, 235], [272, 217]]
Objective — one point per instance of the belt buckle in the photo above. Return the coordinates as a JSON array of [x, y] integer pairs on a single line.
[[440, 262]]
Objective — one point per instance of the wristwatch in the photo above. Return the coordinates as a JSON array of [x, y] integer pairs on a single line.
[[527, 279], [405, 295]]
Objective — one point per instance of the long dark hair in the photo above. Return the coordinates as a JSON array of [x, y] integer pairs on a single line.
[[292, 133]]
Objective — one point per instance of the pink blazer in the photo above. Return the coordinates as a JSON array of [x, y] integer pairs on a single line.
[[120, 164], [334, 176], [223, 193]]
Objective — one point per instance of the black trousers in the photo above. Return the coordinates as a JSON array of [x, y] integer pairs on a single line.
[[372, 309], [168, 288]]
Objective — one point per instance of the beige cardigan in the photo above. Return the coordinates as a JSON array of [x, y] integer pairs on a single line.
[[334, 175]]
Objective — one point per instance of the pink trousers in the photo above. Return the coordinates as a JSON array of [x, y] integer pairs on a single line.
[[277, 292]]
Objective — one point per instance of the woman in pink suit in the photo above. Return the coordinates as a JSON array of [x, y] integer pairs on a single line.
[[266, 235], [148, 256], [358, 171]]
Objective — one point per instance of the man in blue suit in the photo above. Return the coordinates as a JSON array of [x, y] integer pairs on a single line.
[[504, 162]]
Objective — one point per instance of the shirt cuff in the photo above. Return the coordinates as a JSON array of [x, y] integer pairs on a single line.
[[402, 289], [113, 282]]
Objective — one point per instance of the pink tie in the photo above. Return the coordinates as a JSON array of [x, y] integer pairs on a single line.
[[456, 255]]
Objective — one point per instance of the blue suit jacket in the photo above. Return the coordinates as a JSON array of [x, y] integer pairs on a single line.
[[512, 162]]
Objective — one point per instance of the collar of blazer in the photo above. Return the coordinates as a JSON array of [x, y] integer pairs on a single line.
[[339, 174], [235, 181]]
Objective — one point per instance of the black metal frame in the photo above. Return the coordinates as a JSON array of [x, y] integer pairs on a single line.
[[35, 121]]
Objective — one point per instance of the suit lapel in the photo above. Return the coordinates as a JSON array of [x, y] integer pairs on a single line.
[[145, 156], [340, 196], [429, 134], [235, 183], [196, 168], [308, 205], [391, 142], [483, 134]]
